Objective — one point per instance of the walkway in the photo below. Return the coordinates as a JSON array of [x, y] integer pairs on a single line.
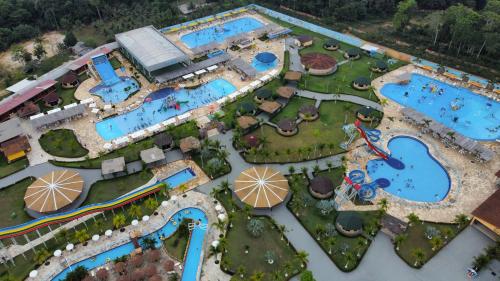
[[295, 64], [340, 97]]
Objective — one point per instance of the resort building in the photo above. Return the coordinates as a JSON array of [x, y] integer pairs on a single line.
[[486, 217], [308, 112], [270, 107], [150, 51], [287, 127], [115, 167], [13, 143], [304, 41], [321, 187], [246, 123], [164, 141], [319, 64], [153, 157], [189, 144], [285, 92], [361, 83], [70, 80]]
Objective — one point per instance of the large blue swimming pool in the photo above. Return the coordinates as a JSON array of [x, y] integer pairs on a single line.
[[460, 109], [191, 262], [220, 32], [162, 105], [423, 179]]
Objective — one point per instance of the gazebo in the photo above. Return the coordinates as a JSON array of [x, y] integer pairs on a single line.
[[380, 66], [365, 113], [321, 187], [352, 54], [246, 108], [331, 45], [251, 141], [318, 63], [292, 76], [69, 80], [361, 83], [261, 187], [270, 107], [308, 112], [349, 224], [287, 127], [189, 144], [285, 92], [304, 40], [262, 95], [246, 122], [164, 141], [53, 191], [51, 99]]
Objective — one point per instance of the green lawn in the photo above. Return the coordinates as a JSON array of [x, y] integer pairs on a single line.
[[62, 143], [104, 190], [177, 243], [312, 219], [188, 129], [314, 139], [416, 238], [292, 108], [238, 239], [12, 203], [10, 168]]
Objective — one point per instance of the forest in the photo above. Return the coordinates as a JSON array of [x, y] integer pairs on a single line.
[[459, 30]]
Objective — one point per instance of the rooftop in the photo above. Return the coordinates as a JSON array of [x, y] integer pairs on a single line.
[[285, 92], [488, 211], [153, 50], [19, 98], [152, 155], [246, 122], [318, 61], [270, 106], [189, 143], [114, 165], [293, 76], [10, 129]]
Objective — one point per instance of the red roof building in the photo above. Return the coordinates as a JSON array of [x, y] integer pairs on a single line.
[[79, 65], [488, 214]]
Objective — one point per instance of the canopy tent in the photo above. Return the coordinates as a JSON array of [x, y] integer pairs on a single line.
[[188, 76], [212, 68], [201, 71], [261, 187], [53, 191], [53, 110]]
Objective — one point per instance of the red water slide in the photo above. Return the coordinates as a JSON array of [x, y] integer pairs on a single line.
[[361, 131]]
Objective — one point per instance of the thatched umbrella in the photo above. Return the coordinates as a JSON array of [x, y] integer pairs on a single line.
[[137, 275], [136, 261], [153, 255], [102, 274], [155, 278], [168, 265], [150, 270], [124, 278], [88, 278], [120, 267]]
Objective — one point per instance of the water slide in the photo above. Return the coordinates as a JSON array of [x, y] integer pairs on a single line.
[[372, 135], [105, 70], [366, 191]]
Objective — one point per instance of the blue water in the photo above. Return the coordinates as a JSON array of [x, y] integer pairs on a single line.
[[160, 108], [261, 66], [479, 118], [423, 179], [191, 262], [219, 33], [179, 178], [113, 89]]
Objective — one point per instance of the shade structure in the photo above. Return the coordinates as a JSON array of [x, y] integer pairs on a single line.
[[261, 187], [108, 232], [53, 191]]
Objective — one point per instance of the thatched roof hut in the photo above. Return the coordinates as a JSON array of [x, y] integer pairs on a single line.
[[321, 187]]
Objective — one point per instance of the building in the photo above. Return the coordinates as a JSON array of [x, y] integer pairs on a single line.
[[287, 127], [80, 65], [164, 141], [13, 143], [486, 217], [304, 40], [189, 144], [153, 157], [70, 80], [321, 187], [150, 51], [318, 63], [113, 167]]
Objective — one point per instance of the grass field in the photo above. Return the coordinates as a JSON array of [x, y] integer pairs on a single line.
[[312, 219], [12, 203], [177, 243], [10, 168], [238, 239], [292, 108], [314, 139], [104, 190], [62, 143]]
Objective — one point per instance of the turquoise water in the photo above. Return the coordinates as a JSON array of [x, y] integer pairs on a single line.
[[113, 89], [220, 32], [160, 106], [460, 109], [423, 179], [269, 63], [191, 262], [179, 178]]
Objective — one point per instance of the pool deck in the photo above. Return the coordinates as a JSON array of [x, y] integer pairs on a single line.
[[193, 199], [471, 182]]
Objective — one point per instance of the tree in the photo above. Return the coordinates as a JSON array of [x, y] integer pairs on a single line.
[[349, 258], [151, 204], [269, 256], [302, 257], [436, 243], [257, 276], [41, 256], [241, 271], [119, 221], [398, 240], [325, 207], [383, 204], [307, 276], [135, 211], [413, 219], [331, 242], [20, 54], [282, 229], [403, 14], [38, 49], [461, 220], [70, 39], [447, 232], [291, 170], [255, 227], [148, 243], [419, 256], [431, 232], [360, 244], [62, 234], [225, 186], [78, 274], [81, 236]]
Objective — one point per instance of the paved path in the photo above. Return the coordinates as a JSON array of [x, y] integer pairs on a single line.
[[295, 64], [340, 97]]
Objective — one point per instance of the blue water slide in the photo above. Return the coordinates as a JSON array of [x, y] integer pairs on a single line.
[[357, 176], [373, 134], [105, 70], [367, 191]]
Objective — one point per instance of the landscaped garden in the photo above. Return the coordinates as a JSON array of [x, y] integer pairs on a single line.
[[12, 203], [319, 138], [62, 143], [319, 218], [176, 244], [422, 240], [292, 108], [105, 190], [10, 168], [212, 159], [244, 251]]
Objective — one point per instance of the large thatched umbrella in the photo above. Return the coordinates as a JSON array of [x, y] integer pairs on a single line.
[[261, 187], [168, 265], [153, 255], [120, 267], [53, 191], [102, 274], [136, 261], [150, 270]]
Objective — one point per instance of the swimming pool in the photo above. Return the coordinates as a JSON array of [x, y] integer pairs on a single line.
[[193, 255], [162, 105], [179, 178], [264, 61], [460, 109], [220, 32], [424, 179]]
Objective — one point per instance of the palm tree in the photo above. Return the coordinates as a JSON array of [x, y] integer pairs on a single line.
[[257, 276], [297, 205], [81, 236], [349, 257], [240, 271], [151, 204], [447, 232], [288, 268], [41, 256], [248, 211], [398, 240], [436, 243], [360, 244], [183, 188], [461, 220], [98, 224], [384, 102], [135, 211], [291, 170], [62, 234], [220, 225], [413, 218], [419, 256], [119, 220], [225, 186], [316, 169], [329, 164], [331, 242], [320, 229], [302, 257], [304, 171], [282, 229], [276, 275], [383, 204]]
